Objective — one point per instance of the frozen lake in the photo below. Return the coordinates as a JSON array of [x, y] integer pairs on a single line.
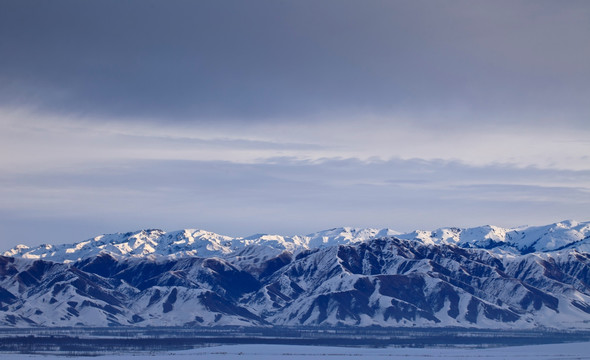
[[579, 350]]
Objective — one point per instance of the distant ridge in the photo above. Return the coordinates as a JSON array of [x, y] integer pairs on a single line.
[[567, 234]]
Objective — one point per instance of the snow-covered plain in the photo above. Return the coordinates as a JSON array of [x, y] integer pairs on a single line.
[[289, 352]]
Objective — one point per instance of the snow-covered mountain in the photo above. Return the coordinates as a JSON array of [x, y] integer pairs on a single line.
[[190, 242], [567, 234], [382, 282], [484, 277]]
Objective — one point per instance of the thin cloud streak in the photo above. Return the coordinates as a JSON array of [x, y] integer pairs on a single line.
[[42, 142]]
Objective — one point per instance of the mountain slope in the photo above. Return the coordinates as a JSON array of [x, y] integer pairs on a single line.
[[384, 282]]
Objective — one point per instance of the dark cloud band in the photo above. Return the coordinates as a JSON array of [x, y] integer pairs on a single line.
[[182, 60]]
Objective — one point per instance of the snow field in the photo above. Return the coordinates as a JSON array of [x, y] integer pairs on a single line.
[[290, 352]]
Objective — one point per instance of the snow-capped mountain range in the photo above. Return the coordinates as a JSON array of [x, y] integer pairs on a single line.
[[484, 277], [191, 242]]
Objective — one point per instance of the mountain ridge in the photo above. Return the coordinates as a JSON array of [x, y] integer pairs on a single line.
[[562, 235]]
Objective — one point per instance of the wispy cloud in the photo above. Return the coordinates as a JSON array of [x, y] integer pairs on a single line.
[[39, 140], [292, 196]]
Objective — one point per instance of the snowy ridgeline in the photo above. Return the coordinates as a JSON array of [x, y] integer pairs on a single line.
[[565, 235], [494, 279], [289, 352]]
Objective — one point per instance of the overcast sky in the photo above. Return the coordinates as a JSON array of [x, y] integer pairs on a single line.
[[289, 117]]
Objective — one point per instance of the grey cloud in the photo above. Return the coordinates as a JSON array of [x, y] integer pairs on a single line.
[[182, 60]]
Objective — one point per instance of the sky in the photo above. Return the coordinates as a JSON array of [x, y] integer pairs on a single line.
[[289, 117]]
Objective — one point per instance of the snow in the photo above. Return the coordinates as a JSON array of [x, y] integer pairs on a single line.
[[195, 242], [292, 352]]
